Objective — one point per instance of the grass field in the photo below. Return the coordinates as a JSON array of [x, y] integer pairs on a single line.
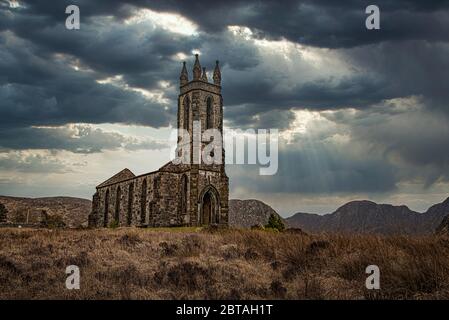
[[190, 263]]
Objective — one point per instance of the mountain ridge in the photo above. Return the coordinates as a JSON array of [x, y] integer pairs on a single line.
[[364, 216]]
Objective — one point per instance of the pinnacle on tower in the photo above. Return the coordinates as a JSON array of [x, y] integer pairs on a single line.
[[184, 78], [204, 76], [217, 74], [197, 69]]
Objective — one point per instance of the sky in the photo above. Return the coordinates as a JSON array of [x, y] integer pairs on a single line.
[[362, 114]]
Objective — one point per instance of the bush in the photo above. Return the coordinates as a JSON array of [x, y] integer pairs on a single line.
[[53, 221], [114, 224], [275, 222], [3, 213]]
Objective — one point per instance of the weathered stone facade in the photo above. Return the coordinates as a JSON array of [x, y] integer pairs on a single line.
[[176, 194]]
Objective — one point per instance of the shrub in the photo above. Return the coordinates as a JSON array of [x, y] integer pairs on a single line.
[[52, 221], [114, 224], [3, 213], [275, 222]]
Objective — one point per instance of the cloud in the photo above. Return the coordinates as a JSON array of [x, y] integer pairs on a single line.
[[25, 162], [77, 138], [376, 101]]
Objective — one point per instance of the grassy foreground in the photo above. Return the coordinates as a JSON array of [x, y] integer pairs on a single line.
[[133, 263]]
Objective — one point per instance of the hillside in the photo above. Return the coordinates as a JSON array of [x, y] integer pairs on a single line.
[[248, 213], [370, 217], [75, 211], [32, 211], [443, 228]]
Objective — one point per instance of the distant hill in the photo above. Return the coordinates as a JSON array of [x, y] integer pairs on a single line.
[[248, 213], [32, 211], [443, 228], [370, 217]]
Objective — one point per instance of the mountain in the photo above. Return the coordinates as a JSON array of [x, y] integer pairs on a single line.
[[73, 212], [436, 214], [248, 213], [443, 228], [370, 217]]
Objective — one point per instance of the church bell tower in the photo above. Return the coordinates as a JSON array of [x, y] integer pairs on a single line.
[[200, 108]]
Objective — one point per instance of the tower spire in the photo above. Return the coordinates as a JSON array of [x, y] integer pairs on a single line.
[[217, 74], [204, 76], [196, 69], [184, 77]]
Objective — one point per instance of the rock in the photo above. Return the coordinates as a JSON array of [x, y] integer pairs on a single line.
[[249, 213]]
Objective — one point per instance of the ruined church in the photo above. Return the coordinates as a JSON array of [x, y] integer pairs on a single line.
[[186, 194]]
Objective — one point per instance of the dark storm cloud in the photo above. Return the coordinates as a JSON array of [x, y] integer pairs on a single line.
[[144, 58], [408, 56], [327, 24]]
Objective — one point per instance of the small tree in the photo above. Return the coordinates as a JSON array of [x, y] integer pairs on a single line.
[[3, 213], [275, 222]]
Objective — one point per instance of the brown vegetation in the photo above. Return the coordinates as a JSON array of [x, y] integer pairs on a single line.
[[128, 263]]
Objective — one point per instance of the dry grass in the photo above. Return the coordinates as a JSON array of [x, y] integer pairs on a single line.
[[233, 264]]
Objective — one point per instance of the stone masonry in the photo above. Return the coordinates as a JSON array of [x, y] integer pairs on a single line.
[[176, 194]]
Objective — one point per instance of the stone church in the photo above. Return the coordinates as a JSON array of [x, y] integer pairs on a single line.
[[176, 194]]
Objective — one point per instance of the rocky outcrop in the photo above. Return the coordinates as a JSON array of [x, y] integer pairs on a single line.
[[71, 212], [370, 217], [249, 213]]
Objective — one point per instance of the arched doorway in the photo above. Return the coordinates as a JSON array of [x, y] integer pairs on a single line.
[[210, 208]]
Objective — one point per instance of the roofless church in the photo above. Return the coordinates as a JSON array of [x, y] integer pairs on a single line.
[[176, 194]]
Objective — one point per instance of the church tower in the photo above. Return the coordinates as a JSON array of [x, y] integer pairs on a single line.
[[200, 108]]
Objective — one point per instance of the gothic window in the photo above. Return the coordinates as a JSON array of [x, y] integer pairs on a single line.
[[209, 114], [106, 209], [156, 187], [117, 205], [130, 203], [184, 184], [186, 113], [143, 202]]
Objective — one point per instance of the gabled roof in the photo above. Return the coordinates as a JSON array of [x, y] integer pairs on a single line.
[[121, 176]]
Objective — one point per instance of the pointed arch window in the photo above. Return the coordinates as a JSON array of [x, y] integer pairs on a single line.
[[130, 203], [186, 113], [117, 205], [143, 202], [184, 186], [106, 209], [209, 114]]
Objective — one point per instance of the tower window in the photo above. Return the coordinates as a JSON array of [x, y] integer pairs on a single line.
[[209, 114], [186, 113]]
